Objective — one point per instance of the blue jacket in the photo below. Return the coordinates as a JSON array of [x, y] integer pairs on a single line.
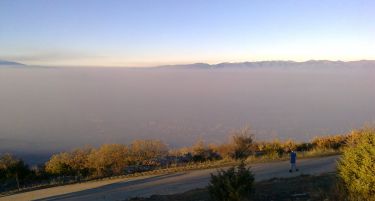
[[293, 157]]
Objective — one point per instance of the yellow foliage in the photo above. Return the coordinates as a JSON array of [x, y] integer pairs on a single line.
[[109, 159], [357, 165]]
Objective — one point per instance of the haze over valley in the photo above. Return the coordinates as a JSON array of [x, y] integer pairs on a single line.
[[45, 110]]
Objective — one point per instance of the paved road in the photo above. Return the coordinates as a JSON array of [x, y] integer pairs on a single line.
[[167, 184]]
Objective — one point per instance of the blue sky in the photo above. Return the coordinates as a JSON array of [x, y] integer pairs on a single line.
[[156, 32]]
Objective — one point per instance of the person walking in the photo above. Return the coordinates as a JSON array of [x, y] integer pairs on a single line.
[[293, 158]]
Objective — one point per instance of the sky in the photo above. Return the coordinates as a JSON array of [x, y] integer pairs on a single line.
[[157, 32]]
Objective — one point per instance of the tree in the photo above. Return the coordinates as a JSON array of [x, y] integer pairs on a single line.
[[78, 161], [13, 168], [357, 166], [72, 163], [234, 184], [59, 164], [109, 159]]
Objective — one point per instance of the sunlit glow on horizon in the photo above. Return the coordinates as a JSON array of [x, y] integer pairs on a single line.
[[144, 34]]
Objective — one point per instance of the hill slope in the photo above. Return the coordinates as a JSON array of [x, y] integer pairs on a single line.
[[261, 64], [10, 63]]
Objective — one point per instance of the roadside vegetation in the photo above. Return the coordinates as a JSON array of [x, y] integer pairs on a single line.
[[234, 184], [154, 157], [354, 181], [356, 168]]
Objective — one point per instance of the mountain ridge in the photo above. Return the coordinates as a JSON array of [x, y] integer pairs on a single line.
[[271, 63], [10, 63], [244, 65]]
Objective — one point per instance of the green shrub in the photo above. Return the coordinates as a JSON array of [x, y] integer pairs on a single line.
[[357, 167], [234, 184]]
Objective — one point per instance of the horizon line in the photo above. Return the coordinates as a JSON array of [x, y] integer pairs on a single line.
[[192, 63]]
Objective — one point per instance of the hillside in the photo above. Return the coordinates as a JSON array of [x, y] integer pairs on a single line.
[[10, 63], [277, 63]]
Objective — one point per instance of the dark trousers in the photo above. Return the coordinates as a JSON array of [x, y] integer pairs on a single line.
[[293, 166]]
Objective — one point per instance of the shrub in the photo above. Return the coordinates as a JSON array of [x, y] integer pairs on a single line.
[[305, 146], [272, 150], [234, 184], [225, 150], [357, 166], [329, 142], [243, 142], [201, 152], [289, 145], [145, 150]]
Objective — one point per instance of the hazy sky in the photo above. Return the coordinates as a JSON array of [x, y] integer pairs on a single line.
[[143, 33]]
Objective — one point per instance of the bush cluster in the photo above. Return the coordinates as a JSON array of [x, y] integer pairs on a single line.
[[234, 184], [14, 172], [357, 166], [107, 160], [144, 155]]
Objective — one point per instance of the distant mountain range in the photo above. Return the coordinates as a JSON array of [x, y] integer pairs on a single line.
[[255, 64], [259, 64], [10, 63]]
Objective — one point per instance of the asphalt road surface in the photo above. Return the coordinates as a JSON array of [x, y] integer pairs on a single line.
[[120, 189]]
